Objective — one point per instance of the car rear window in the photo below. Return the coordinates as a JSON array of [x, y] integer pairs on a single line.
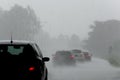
[[76, 51], [17, 49], [63, 53]]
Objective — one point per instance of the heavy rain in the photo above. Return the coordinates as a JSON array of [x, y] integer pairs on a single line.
[[81, 37]]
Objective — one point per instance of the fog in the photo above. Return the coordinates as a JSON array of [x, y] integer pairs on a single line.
[[59, 16], [97, 69], [53, 20], [65, 25]]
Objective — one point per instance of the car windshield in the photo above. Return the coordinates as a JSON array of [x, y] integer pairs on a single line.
[[17, 49]]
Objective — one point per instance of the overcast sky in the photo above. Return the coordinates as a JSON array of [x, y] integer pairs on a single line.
[[69, 16]]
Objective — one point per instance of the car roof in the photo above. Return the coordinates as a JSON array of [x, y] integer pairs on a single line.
[[16, 42], [63, 52], [76, 50]]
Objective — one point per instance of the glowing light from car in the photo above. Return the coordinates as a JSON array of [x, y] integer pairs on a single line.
[[72, 56], [32, 68]]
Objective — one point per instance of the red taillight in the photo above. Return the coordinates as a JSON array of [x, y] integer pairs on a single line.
[[71, 56], [32, 68]]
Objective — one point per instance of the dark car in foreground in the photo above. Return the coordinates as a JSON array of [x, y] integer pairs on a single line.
[[63, 58], [22, 60]]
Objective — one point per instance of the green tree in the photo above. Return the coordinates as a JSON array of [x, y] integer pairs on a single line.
[[21, 22], [103, 34], [74, 42]]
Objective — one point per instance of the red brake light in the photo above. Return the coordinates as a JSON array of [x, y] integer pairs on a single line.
[[32, 68], [72, 56]]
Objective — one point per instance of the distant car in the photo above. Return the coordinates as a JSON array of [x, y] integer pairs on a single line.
[[22, 60], [61, 58], [78, 55], [87, 56]]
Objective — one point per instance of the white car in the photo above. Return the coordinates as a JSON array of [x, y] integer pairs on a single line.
[[78, 55]]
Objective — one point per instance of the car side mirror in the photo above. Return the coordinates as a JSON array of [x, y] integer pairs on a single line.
[[45, 59]]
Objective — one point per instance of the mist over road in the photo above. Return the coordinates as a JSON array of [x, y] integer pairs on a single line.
[[97, 69]]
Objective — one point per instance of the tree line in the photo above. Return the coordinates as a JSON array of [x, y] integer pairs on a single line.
[[23, 24]]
